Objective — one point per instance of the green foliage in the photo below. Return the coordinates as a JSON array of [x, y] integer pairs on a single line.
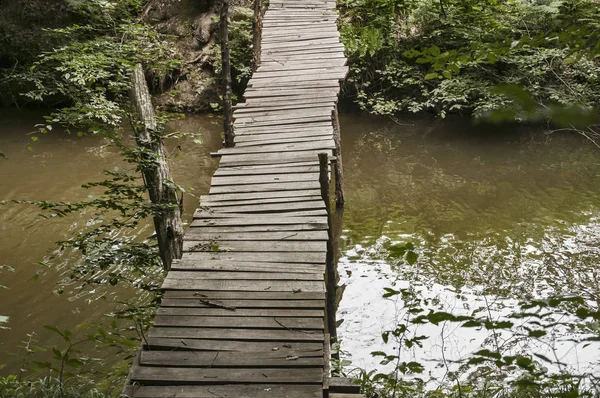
[[449, 56], [90, 73], [48, 387], [240, 42], [496, 371]]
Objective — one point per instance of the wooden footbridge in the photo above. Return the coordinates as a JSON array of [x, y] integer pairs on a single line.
[[244, 310]]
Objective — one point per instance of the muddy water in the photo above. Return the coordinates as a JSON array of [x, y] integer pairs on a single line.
[[496, 215], [55, 170]]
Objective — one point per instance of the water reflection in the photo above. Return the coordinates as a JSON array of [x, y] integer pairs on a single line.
[[497, 216]]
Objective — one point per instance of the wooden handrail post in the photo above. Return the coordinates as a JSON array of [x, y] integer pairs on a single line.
[[339, 171], [226, 76], [257, 34], [330, 280]]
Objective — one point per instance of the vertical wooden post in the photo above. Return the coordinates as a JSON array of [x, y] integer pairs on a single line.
[[156, 172], [226, 76], [339, 172], [257, 34], [330, 279]]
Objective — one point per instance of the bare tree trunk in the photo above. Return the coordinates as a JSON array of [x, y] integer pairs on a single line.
[[157, 176], [257, 34], [226, 75], [339, 170], [330, 272]]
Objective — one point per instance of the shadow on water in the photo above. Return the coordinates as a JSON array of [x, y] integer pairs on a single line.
[[497, 214]]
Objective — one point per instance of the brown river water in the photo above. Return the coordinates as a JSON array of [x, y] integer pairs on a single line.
[[493, 212]]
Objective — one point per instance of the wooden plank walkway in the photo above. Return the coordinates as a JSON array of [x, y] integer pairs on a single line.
[[243, 311]]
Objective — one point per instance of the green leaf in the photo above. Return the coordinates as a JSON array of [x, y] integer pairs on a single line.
[[57, 353], [385, 336], [430, 76], [411, 257], [524, 362], [537, 333], [75, 363], [53, 329], [447, 74]]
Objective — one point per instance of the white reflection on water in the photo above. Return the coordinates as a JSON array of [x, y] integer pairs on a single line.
[[563, 261]]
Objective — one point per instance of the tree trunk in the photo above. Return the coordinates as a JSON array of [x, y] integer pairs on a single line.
[[339, 170], [257, 34], [330, 273], [226, 76], [157, 176]]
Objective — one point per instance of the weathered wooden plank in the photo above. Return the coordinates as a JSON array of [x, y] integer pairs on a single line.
[[257, 187], [315, 43], [247, 276], [291, 228], [281, 83], [239, 299], [252, 196], [307, 36], [239, 322], [270, 207], [254, 246], [198, 359], [166, 343], [194, 234], [344, 385], [249, 312], [285, 147], [263, 219], [209, 214], [270, 103], [283, 169], [299, 66], [282, 121], [279, 139], [310, 162], [250, 110], [272, 158], [317, 50], [226, 375], [275, 257], [218, 265], [294, 93], [256, 335], [276, 115], [257, 112], [263, 179], [320, 40], [270, 81], [265, 267], [243, 286], [231, 391], [266, 295], [292, 130], [308, 57]]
